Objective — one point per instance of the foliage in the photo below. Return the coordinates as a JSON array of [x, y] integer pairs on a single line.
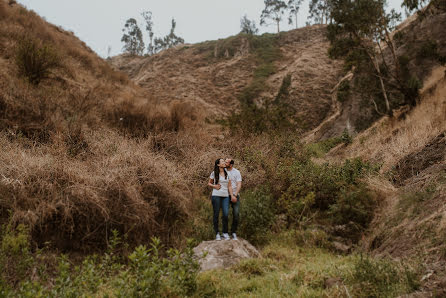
[[35, 60], [257, 214], [411, 5], [147, 15], [169, 41], [381, 278], [248, 26], [343, 93], [320, 148], [319, 11], [132, 38], [15, 254], [336, 193], [293, 7], [274, 10], [355, 34], [144, 273]]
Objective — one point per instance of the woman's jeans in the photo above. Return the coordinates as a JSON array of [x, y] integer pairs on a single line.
[[217, 204]]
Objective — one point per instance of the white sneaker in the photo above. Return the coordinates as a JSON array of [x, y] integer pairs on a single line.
[[226, 236], [217, 237], [234, 236]]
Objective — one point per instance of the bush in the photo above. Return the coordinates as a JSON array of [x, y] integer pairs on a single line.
[[15, 254], [381, 278], [35, 60], [256, 215]]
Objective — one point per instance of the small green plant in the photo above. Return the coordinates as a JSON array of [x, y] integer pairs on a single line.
[[35, 60]]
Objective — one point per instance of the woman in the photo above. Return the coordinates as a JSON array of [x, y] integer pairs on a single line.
[[221, 184]]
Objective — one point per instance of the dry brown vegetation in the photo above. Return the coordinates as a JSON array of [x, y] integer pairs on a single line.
[[86, 151]]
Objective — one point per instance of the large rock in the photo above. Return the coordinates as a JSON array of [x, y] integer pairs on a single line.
[[224, 253]]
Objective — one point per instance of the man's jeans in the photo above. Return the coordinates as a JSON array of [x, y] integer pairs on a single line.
[[217, 204], [235, 214]]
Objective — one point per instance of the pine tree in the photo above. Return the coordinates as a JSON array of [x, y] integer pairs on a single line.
[[247, 26], [274, 10], [132, 38]]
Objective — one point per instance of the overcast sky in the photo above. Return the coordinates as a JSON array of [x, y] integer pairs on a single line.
[[99, 23]]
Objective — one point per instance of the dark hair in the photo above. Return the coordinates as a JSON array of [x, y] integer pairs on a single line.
[[231, 162], [217, 171]]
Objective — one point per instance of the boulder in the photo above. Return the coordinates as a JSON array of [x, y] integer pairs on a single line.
[[224, 253]]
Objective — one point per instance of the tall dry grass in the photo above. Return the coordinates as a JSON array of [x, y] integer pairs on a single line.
[[87, 151]]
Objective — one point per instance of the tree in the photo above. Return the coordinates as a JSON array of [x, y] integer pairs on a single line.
[[358, 31], [247, 26], [132, 38], [319, 11], [274, 10], [293, 6], [147, 15], [169, 40], [411, 5]]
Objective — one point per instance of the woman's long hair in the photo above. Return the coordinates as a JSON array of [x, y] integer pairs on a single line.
[[217, 171]]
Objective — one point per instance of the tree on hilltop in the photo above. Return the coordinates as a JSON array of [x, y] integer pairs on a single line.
[[294, 6], [319, 11], [147, 15], [169, 40], [248, 26], [132, 38], [274, 10]]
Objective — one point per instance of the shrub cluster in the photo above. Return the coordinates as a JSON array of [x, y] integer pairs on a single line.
[[35, 60], [142, 273]]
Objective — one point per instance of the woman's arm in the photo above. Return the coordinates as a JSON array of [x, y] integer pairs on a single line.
[[211, 184]]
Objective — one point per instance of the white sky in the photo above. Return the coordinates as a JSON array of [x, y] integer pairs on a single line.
[[99, 23]]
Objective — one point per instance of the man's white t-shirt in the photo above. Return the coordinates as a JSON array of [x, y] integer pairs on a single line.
[[234, 176], [223, 191]]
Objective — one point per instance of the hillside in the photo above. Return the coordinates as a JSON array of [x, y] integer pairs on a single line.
[[104, 167], [212, 74]]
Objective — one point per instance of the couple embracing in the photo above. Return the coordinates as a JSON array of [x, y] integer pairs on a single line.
[[226, 182]]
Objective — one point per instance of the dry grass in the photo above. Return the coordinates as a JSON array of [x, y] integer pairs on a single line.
[[389, 140], [87, 151]]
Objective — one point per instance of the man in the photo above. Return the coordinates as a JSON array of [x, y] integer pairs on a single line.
[[236, 183]]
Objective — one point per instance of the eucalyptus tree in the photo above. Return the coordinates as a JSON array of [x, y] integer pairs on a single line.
[[147, 15], [274, 10], [132, 38], [248, 26], [358, 31], [293, 7]]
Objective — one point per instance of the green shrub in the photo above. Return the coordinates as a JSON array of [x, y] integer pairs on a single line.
[[343, 93], [35, 60], [381, 278], [256, 215], [16, 259]]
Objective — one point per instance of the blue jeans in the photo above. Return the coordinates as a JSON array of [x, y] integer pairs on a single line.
[[217, 204], [235, 214]]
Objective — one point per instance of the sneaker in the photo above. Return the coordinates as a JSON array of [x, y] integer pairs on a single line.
[[226, 236], [234, 236], [217, 237]]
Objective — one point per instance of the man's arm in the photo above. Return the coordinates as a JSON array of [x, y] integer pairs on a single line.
[[239, 186]]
